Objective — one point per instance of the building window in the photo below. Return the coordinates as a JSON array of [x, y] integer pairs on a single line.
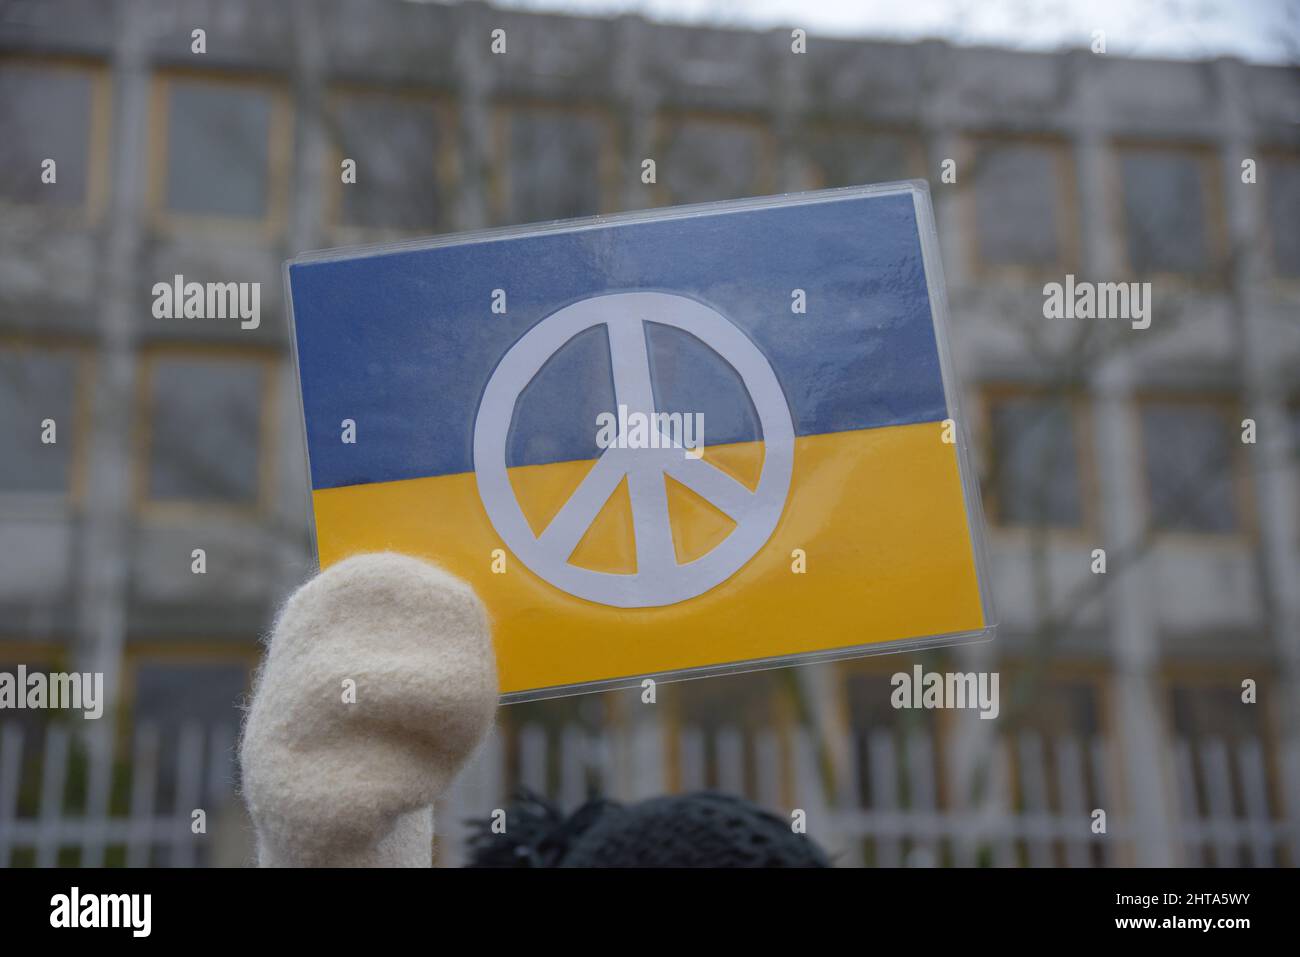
[[221, 147], [702, 160], [1282, 179], [402, 148], [1190, 449], [39, 386], [206, 439], [1170, 220], [1021, 206], [553, 163], [1226, 775], [858, 157], [1035, 461], [52, 111]]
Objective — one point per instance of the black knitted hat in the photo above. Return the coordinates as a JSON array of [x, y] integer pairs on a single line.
[[693, 830]]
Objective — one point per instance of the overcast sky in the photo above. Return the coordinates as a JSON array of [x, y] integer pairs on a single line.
[[1257, 30]]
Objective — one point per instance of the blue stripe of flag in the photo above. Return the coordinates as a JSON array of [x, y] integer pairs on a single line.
[[404, 342]]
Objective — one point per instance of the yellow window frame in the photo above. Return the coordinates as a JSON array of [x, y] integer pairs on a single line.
[[1229, 407], [98, 162], [499, 172], [180, 510], [1216, 246], [279, 148], [669, 122], [446, 161], [1065, 208], [83, 358], [1076, 401]]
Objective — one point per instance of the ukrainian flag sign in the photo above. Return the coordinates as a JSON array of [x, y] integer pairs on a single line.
[[681, 441]]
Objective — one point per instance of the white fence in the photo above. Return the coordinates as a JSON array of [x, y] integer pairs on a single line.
[[133, 804], [888, 808], [191, 767]]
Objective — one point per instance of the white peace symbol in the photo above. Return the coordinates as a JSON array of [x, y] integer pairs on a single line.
[[659, 579]]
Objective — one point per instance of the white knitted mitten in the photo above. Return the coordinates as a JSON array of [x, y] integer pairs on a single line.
[[378, 683]]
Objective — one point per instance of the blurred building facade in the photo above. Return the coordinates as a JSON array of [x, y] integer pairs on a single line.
[[1122, 691]]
